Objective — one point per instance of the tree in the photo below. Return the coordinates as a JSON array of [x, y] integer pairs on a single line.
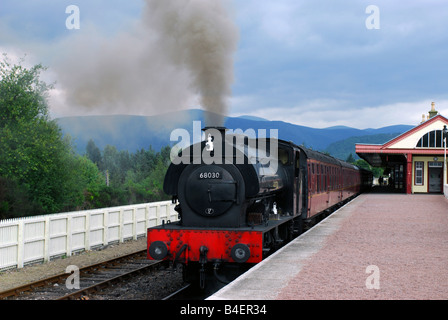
[[22, 93], [377, 171], [34, 157], [93, 153], [15, 199], [350, 159]]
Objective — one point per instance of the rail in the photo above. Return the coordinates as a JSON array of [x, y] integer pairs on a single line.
[[37, 239]]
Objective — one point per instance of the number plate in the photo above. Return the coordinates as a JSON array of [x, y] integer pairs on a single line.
[[210, 175]]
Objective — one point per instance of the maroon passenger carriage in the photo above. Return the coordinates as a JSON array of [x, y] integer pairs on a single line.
[[331, 182], [237, 209]]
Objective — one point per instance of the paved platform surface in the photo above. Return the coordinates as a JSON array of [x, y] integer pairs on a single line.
[[379, 246]]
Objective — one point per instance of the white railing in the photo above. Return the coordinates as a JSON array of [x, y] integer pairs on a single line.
[[445, 190], [39, 239]]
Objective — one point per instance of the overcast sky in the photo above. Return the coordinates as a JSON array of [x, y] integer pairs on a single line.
[[317, 63]]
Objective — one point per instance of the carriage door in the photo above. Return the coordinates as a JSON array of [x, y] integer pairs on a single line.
[[298, 185]]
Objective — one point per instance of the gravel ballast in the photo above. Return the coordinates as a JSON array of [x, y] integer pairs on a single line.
[[17, 277]]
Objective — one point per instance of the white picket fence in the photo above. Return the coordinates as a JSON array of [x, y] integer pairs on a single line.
[[39, 239]]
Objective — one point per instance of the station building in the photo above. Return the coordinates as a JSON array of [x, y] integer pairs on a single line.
[[415, 161]]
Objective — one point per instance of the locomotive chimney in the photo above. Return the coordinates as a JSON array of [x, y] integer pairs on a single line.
[[210, 136], [211, 130]]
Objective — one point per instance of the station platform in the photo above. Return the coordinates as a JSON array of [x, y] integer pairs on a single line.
[[377, 247]]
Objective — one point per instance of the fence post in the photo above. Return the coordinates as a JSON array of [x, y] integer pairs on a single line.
[[87, 232], [68, 250], [168, 212], [158, 209], [120, 229], [146, 218], [134, 223], [20, 244], [47, 238], [105, 227]]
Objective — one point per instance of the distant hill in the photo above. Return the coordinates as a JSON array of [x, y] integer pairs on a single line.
[[253, 118], [131, 133], [342, 149]]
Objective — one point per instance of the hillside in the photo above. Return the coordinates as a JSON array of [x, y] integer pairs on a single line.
[[342, 149], [132, 133]]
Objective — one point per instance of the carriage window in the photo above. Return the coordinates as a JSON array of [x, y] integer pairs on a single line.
[[322, 185], [331, 177]]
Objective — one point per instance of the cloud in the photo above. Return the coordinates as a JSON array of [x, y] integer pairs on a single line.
[[171, 55], [296, 55], [309, 62], [323, 113]]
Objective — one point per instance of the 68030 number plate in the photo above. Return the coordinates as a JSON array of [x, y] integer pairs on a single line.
[[210, 175]]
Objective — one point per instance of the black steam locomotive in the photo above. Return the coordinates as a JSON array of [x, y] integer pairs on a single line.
[[239, 199]]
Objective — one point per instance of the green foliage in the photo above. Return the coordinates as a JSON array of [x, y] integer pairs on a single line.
[[32, 150], [93, 153], [133, 178], [377, 171], [350, 158], [15, 200], [22, 94]]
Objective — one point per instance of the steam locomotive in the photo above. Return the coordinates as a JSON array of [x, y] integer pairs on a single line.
[[239, 199]]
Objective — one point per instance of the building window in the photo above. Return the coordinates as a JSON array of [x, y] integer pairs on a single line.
[[435, 164], [433, 139], [419, 173]]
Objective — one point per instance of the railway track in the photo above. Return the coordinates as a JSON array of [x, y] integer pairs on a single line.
[[94, 279]]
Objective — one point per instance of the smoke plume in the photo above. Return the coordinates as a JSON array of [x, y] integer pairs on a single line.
[[178, 52]]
